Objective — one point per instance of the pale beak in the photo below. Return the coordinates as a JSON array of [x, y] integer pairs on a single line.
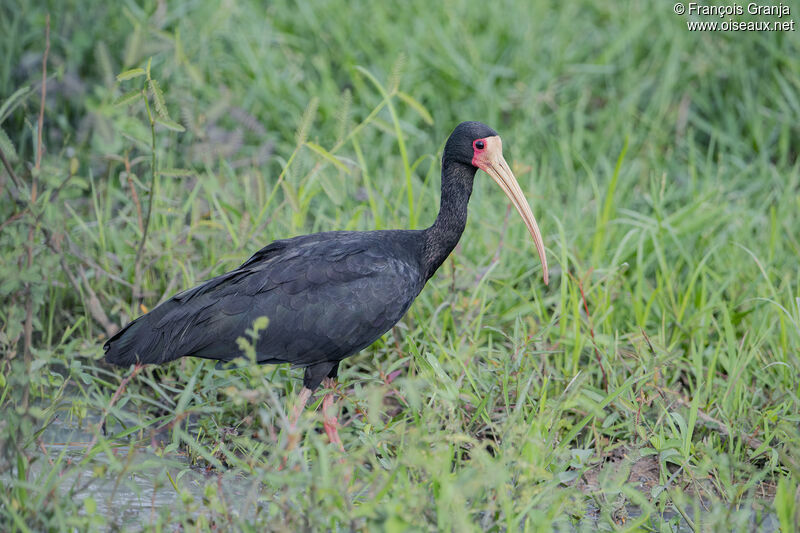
[[492, 162]]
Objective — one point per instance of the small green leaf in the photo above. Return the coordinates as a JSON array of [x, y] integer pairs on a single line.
[[174, 485], [12, 101], [329, 156], [170, 124], [418, 107], [128, 98], [260, 324], [158, 99], [130, 74], [90, 505], [177, 172], [7, 146]]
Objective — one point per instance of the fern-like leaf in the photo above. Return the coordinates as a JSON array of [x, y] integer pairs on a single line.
[[12, 101], [169, 124], [130, 74], [158, 99], [177, 172], [128, 98], [7, 146]]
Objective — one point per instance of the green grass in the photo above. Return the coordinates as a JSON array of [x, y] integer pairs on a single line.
[[662, 166]]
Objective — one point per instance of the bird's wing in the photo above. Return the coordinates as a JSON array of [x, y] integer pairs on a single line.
[[326, 296]]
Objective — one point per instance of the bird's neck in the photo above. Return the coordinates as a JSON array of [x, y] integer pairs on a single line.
[[444, 234]]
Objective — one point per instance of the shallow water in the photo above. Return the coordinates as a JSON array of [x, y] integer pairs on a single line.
[[134, 499]]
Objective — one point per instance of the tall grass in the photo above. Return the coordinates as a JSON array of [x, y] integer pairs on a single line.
[[662, 167]]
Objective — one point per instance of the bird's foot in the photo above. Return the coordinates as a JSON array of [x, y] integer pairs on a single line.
[[292, 435], [330, 420], [331, 425]]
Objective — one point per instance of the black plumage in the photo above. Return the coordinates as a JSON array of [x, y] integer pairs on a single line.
[[326, 295]]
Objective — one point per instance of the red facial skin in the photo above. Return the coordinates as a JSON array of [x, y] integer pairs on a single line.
[[477, 152]]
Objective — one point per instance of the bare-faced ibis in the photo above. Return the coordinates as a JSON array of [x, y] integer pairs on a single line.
[[327, 295]]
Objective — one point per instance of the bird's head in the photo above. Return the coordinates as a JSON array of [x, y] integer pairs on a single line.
[[478, 145]]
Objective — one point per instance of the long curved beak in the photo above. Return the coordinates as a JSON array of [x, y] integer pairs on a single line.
[[492, 162]]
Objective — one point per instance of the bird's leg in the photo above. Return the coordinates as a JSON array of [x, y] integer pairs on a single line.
[[302, 400], [330, 421]]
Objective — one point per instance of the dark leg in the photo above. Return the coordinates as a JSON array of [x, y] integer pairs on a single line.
[[316, 373]]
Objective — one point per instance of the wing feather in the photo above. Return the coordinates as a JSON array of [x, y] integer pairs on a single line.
[[326, 296]]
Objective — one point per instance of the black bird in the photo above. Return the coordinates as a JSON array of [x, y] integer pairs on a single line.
[[327, 295]]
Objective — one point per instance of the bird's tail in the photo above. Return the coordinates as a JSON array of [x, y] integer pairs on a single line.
[[142, 341]]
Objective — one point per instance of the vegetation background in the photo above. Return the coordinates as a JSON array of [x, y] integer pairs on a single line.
[[652, 385]]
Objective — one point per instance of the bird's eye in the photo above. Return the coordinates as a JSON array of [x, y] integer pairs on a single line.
[[480, 145]]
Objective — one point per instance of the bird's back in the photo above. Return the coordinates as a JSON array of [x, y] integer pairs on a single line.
[[326, 296]]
